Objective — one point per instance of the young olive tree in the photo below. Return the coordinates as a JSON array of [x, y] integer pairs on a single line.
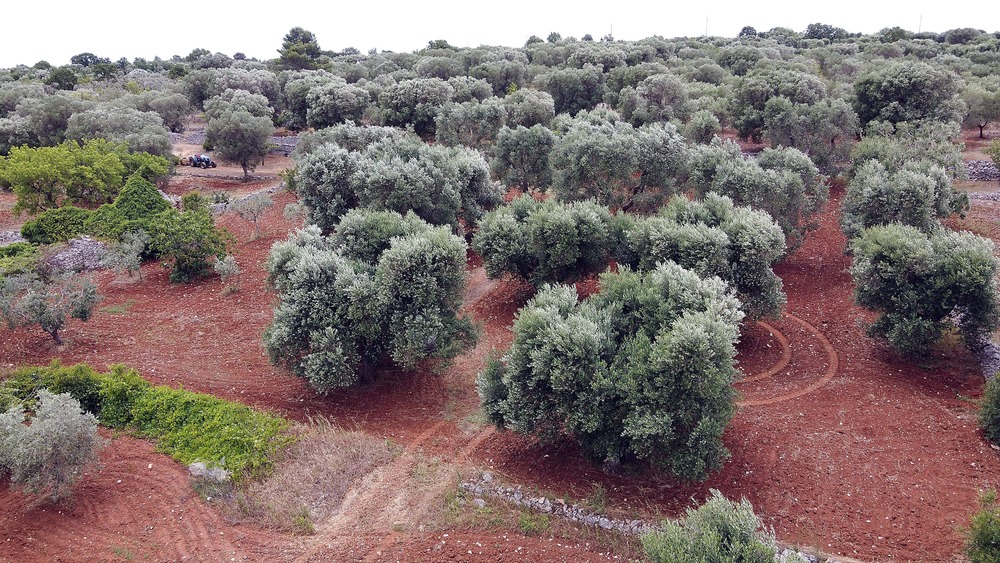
[[384, 288], [241, 137], [924, 284], [27, 299], [125, 256], [641, 371], [252, 208], [49, 455]]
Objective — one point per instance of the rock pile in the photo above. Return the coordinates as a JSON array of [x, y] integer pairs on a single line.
[[10, 237], [80, 255], [982, 171]]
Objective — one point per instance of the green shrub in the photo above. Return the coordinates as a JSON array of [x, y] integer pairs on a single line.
[[982, 541], [187, 240], [989, 410], [140, 199], [195, 427], [18, 258], [187, 426], [719, 531], [55, 225]]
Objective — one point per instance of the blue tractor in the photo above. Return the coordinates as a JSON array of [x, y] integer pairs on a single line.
[[201, 160]]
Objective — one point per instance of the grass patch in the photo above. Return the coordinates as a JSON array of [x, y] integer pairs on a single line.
[[533, 523], [119, 309], [312, 477], [185, 425]]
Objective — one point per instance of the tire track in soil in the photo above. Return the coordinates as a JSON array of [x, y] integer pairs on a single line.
[[833, 361]]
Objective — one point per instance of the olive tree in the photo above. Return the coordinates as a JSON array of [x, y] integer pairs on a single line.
[[521, 156], [252, 208], [473, 124], [335, 102], [28, 299], [908, 91], [545, 241], [241, 137], [712, 237], [528, 107], [918, 195], [442, 185], [413, 102], [782, 182], [925, 284], [573, 89], [142, 131], [642, 370], [597, 156], [49, 455], [383, 289]]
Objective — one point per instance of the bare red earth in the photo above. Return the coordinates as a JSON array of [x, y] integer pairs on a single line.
[[839, 444]]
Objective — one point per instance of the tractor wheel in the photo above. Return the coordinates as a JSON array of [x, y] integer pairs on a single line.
[[204, 165], [213, 164]]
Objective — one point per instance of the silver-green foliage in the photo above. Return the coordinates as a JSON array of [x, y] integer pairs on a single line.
[[925, 284], [472, 124], [599, 156], [642, 370], [521, 156], [712, 237], [383, 286], [918, 195], [545, 241], [442, 185], [125, 256], [27, 299], [719, 531], [49, 455], [782, 182]]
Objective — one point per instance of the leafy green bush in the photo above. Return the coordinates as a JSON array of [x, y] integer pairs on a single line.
[[56, 225], [48, 456], [187, 240], [982, 542], [719, 531], [18, 258], [642, 370], [187, 426]]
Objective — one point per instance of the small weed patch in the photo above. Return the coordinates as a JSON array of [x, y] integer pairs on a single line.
[[119, 309]]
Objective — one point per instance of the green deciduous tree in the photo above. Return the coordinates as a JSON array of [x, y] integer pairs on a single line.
[[385, 287], [642, 370], [924, 284], [188, 240]]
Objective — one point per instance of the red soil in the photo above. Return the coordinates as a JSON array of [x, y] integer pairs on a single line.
[[838, 443]]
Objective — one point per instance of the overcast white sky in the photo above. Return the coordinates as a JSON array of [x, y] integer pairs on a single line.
[[54, 31]]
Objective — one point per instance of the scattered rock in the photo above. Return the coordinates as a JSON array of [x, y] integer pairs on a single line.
[[203, 471]]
